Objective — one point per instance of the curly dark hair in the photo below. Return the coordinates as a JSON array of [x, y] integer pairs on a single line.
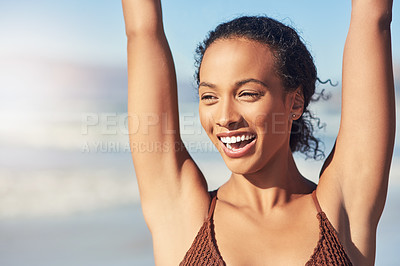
[[294, 65]]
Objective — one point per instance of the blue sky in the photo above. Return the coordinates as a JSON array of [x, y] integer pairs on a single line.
[[92, 31]]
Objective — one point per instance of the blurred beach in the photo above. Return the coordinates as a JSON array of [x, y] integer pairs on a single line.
[[80, 206], [68, 192]]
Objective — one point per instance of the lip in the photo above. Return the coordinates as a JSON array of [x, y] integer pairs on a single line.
[[237, 153]]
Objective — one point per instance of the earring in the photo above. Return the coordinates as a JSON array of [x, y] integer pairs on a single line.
[[293, 115]]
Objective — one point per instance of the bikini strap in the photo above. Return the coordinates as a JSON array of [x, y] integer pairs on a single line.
[[314, 196], [213, 196]]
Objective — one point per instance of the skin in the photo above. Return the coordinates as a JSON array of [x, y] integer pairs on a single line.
[[264, 213]]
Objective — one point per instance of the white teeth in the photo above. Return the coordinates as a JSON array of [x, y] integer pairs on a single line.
[[229, 140], [229, 146]]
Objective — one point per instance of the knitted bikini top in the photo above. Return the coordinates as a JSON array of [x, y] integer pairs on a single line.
[[329, 250]]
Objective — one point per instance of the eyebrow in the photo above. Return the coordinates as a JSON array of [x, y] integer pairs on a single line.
[[206, 84], [242, 82], [238, 83]]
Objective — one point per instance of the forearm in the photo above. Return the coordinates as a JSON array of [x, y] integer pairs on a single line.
[[373, 10], [369, 42], [142, 16]]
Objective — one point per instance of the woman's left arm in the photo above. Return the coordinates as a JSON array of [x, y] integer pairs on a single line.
[[361, 160]]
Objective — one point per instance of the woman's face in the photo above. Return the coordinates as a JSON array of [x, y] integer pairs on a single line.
[[243, 107]]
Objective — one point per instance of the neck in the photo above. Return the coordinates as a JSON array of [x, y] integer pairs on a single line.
[[274, 185]]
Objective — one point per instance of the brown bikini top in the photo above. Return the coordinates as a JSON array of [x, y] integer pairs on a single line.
[[204, 250]]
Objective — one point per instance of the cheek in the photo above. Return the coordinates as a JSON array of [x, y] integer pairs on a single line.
[[206, 120], [272, 121], [262, 122], [279, 124]]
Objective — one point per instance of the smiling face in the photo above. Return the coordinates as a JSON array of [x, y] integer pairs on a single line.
[[243, 106]]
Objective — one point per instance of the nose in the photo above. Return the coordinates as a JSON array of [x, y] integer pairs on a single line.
[[228, 115]]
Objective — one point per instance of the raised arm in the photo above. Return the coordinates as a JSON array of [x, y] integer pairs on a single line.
[[172, 189], [358, 172]]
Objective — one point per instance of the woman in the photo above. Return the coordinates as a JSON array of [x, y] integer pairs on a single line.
[[254, 89]]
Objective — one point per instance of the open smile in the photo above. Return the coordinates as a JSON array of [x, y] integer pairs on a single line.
[[235, 144]]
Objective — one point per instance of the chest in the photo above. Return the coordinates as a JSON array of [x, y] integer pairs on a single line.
[[282, 239]]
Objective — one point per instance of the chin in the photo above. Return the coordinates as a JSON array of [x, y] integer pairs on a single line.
[[242, 166]]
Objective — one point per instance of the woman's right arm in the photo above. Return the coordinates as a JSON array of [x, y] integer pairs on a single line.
[[172, 189]]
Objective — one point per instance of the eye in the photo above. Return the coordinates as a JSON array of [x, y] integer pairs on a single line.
[[208, 99], [250, 95]]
